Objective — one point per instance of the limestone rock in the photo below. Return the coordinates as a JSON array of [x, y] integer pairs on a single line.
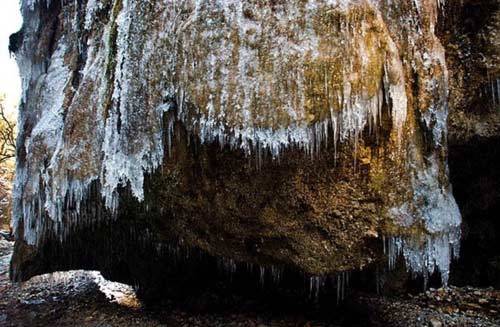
[[286, 133]]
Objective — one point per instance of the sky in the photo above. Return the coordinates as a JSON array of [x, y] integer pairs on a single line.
[[10, 82]]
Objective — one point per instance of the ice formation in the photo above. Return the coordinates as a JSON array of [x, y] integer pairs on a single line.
[[256, 78], [439, 213]]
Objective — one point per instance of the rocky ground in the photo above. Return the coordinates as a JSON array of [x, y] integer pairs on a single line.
[[83, 298], [443, 307]]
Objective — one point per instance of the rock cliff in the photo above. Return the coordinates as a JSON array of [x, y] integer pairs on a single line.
[[306, 134]]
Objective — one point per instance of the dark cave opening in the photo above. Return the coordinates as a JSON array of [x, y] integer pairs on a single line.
[[475, 176]]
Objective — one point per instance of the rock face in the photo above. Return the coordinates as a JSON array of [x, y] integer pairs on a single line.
[[470, 34], [473, 56], [309, 134]]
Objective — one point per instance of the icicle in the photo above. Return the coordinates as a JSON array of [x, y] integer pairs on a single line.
[[498, 89], [276, 274], [315, 285], [262, 275], [339, 282]]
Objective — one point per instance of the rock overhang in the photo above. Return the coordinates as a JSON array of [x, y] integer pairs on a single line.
[[342, 106]]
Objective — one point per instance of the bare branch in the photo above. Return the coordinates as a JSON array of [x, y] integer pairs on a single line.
[[7, 135]]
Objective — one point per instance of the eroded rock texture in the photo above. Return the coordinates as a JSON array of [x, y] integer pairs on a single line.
[[309, 134]]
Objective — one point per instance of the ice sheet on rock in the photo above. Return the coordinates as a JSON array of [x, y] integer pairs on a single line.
[[434, 205], [230, 112], [44, 139], [130, 148], [124, 163], [436, 114], [90, 12]]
